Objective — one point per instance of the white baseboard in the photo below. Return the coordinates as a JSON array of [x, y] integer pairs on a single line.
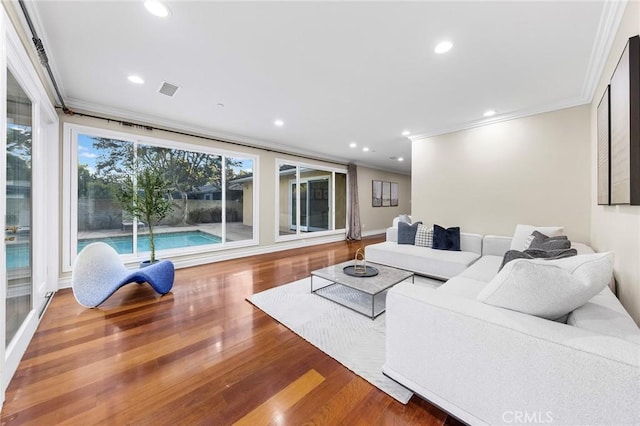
[[374, 232]]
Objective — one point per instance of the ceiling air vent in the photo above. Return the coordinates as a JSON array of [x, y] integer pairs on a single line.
[[168, 89]]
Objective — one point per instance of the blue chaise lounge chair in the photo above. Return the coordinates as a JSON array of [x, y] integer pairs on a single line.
[[98, 272]]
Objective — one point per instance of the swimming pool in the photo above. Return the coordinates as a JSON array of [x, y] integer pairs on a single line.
[[18, 254], [163, 241]]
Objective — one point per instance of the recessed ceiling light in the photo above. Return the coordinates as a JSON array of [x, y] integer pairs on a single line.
[[353, 145], [489, 113], [157, 8], [365, 149], [279, 123], [136, 79], [400, 159], [406, 133], [443, 47]]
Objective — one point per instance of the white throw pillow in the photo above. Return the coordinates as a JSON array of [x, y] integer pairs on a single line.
[[424, 236], [522, 233], [402, 218], [549, 288]]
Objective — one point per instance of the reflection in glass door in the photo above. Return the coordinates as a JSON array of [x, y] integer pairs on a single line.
[[303, 207], [18, 240], [314, 205]]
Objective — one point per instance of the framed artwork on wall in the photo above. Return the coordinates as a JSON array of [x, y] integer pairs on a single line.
[[604, 147], [394, 194], [624, 110], [386, 194], [376, 193]]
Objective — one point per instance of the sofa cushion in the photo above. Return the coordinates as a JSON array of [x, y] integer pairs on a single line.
[[424, 236], [484, 269], [523, 232], [407, 233], [446, 239], [604, 314], [468, 288], [539, 241], [421, 260], [549, 288]]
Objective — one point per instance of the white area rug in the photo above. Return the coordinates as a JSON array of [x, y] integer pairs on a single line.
[[357, 342]]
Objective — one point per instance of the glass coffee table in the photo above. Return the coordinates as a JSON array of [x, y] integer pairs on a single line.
[[365, 295]]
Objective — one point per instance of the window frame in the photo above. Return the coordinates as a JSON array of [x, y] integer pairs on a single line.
[[299, 235], [71, 131]]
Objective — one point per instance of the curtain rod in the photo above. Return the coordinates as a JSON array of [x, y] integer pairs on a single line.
[[209, 138], [42, 54], [44, 60]]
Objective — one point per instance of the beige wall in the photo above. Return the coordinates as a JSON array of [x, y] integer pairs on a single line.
[[533, 170], [247, 205], [617, 228], [375, 220]]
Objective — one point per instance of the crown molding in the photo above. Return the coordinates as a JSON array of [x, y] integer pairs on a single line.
[[612, 14], [610, 19], [555, 106]]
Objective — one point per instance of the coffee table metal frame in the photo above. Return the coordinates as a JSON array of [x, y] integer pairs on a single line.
[[372, 286]]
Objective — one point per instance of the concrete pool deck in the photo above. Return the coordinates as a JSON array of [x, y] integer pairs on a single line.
[[235, 231]]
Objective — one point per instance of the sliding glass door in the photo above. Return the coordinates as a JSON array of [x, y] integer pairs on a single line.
[[29, 209], [311, 200], [314, 205], [17, 198]]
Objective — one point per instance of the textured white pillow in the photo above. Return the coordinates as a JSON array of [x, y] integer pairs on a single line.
[[523, 232], [402, 218], [549, 288], [424, 236]]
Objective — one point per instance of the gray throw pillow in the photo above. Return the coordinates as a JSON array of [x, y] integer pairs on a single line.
[[407, 233], [542, 242], [536, 254]]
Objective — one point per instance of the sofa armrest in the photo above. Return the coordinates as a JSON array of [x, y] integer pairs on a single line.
[[495, 245], [392, 234], [485, 364]]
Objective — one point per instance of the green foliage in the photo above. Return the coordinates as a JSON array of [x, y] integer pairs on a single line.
[[146, 199], [93, 187], [213, 215], [18, 153]]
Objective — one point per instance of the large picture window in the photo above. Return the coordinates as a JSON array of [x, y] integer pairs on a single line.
[[211, 194], [311, 200]]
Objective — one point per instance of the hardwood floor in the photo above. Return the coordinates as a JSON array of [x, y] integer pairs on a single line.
[[199, 355]]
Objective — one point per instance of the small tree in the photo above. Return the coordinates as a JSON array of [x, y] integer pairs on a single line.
[[147, 199]]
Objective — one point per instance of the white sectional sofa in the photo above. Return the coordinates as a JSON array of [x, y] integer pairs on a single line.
[[490, 365], [440, 264]]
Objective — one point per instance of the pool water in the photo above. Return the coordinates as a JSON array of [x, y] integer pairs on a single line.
[[18, 256], [163, 241]]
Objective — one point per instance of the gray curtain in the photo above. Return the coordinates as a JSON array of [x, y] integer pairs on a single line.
[[353, 208]]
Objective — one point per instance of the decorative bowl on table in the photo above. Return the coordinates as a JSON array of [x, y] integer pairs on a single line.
[[360, 267]]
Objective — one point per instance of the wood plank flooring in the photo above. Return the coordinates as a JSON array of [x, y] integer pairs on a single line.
[[199, 355]]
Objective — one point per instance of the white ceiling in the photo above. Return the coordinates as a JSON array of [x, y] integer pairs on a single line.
[[334, 72]]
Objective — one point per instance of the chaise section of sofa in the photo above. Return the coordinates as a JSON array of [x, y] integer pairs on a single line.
[[485, 364], [489, 365], [440, 264]]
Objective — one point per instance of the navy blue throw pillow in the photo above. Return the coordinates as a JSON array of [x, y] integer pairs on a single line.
[[446, 239], [407, 233]]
